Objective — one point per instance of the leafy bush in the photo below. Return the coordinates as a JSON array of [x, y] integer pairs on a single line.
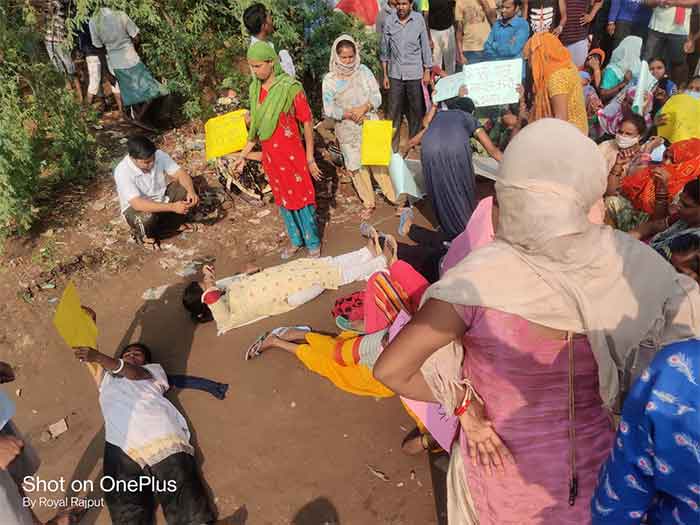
[[44, 137]]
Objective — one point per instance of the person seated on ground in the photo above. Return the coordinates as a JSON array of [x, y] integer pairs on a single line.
[[593, 104], [17, 460], [653, 469], [679, 226], [149, 203], [623, 69], [145, 435], [665, 87], [510, 122], [253, 295], [593, 66]]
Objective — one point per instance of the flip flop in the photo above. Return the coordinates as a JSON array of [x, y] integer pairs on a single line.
[[346, 325], [406, 214], [315, 253], [254, 349], [288, 252]]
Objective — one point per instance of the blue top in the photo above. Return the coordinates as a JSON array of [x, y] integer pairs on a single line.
[[654, 467], [632, 11], [406, 47], [507, 39]]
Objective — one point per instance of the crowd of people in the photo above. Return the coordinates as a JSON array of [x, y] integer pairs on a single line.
[[560, 325]]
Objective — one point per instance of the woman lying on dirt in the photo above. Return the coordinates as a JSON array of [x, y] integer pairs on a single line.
[[158, 448], [253, 295]]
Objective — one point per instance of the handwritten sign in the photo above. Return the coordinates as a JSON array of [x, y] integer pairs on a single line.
[[645, 84], [494, 83], [376, 142], [74, 325], [448, 87], [225, 134], [442, 427]]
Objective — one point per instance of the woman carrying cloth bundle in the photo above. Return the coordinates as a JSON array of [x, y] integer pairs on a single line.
[[556, 85], [278, 106]]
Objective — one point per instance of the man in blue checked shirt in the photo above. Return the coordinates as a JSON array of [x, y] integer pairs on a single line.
[[508, 35]]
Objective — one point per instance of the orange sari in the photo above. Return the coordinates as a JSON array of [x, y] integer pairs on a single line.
[[640, 188]]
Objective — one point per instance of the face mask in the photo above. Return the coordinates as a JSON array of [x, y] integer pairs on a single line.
[[624, 142], [694, 94]]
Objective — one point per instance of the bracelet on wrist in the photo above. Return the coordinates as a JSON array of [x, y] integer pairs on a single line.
[[119, 368]]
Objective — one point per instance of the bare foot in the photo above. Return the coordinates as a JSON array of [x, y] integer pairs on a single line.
[[271, 341], [390, 249], [407, 223], [373, 244]]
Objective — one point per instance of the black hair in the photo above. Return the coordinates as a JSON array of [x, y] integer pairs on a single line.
[[140, 147], [254, 18], [465, 104], [659, 59], [693, 78], [147, 356], [345, 43], [685, 243], [637, 121], [513, 109], [692, 189], [517, 3], [192, 301]]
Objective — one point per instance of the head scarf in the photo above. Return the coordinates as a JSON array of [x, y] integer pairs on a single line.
[[640, 187], [546, 55], [335, 66], [626, 57], [597, 51], [550, 265], [280, 96]]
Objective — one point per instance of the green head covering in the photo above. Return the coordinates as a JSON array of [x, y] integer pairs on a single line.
[[280, 95]]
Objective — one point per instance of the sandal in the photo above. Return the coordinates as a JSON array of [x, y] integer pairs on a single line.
[[289, 252], [315, 253], [349, 326], [406, 215], [254, 349], [392, 247]]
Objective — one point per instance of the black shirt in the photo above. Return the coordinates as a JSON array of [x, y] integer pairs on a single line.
[[441, 14]]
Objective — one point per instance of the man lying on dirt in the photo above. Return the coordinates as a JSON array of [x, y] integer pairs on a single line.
[[147, 443], [150, 204]]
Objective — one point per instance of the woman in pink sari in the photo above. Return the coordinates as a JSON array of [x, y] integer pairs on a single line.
[[547, 314]]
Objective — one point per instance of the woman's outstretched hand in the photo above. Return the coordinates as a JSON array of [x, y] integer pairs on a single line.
[[485, 446]]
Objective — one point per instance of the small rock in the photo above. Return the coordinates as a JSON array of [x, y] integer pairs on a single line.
[[262, 214], [254, 221], [378, 473], [293, 404], [35, 412], [413, 475], [346, 436], [58, 428], [18, 392], [399, 484], [45, 436], [419, 483], [98, 205]]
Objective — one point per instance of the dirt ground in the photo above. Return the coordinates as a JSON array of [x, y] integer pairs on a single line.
[[285, 446]]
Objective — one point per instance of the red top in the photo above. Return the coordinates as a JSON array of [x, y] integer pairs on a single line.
[[284, 158]]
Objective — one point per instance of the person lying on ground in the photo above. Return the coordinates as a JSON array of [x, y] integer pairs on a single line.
[[151, 204], [653, 469], [145, 435], [254, 295], [18, 460]]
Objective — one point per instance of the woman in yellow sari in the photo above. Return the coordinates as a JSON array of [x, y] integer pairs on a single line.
[[556, 85]]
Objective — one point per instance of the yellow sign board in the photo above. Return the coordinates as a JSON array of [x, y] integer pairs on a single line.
[[376, 142], [682, 118], [74, 325], [225, 134]]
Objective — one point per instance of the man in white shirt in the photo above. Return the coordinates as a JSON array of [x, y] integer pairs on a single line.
[[149, 203], [258, 22], [146, 438]]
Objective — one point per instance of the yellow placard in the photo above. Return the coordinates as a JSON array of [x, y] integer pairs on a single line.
[[683, 118], [225, 134], [376, 142], [74, 325]]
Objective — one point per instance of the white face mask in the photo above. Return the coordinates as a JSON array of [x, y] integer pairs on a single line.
[[624, 142], [694, 94]]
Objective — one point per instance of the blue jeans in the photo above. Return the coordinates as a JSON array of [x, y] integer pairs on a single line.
[[474, 57]]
